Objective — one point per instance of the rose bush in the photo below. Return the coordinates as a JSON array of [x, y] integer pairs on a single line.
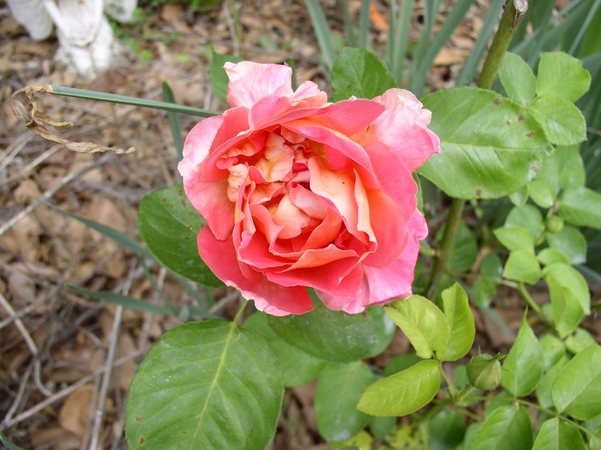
[[297, 191]]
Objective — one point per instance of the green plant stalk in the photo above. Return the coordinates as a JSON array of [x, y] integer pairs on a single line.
[[126, 100], [513, 14]]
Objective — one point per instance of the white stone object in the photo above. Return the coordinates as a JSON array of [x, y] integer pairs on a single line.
[[33, 16]]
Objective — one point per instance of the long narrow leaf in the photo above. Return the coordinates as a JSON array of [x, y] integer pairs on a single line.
[[417, 81], [364, 25], [176, 131], [398, 38], [470, 67], [119, 237], [349, 26], [126, 100], [322, 32], [450, 24], [124, 300]]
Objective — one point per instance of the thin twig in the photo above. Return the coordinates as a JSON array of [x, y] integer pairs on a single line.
[[8, 422], [30, 344]]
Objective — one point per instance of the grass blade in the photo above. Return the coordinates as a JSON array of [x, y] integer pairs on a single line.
[[417, 80], [470, 67], [364, 25], [176, 130], [124, 300], [119, 237], [126, 100], [398, 38], [322, 31], [450, 24]]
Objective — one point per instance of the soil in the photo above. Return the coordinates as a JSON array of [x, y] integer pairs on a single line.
[[66, 359]]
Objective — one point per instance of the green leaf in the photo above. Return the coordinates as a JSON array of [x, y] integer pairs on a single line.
[[561, 75], [218, 75], [570, 297], [543, 189], [402, 393], [554, 358], [517, 78], [125, 300], [109, 232], [577, 388], [335, 335], [515, 238], [461, 323], [298, 367], [548, 256], [465, 249], [581, 206], [507, 428], [490, 145], [445, 430], [523, 266], [336, 397], [523, 367], [196, 386], [526, 216], [570, 242], [489, 275], [169, 225], [423, 323], [579, 340], [360, 73], [572, 171], [562, 121], [555, 434]]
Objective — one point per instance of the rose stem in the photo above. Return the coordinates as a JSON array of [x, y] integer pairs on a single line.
[[513, 13]]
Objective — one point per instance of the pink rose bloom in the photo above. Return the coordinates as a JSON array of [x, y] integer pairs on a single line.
[[297, 191]]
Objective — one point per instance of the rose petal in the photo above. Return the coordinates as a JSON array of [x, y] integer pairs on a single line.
[[272, 298]]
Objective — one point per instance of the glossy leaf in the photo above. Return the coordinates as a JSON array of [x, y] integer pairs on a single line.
[[572, 171], [461, 323], [169, 225], [571, 85], [570, 297], [298, 367], [528, 217], [555, 434], [577, 388], [561, 120], [402, 393], [445, 430], [515, 238], [523, 367], [490, 145], [507, 428], [581, 206], [523, 266], [465, 250], [359, 72], [549, 256], [336, 397], [423, 323], [218, 76], [485, 286], [196, 386], [570, 242], [336, 335], [517, 78]]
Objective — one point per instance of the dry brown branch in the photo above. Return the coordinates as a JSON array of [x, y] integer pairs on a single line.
[[29, 114]]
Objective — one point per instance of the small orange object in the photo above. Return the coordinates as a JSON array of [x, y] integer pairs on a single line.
[[377, 17]]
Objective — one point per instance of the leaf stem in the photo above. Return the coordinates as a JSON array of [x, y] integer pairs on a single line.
[[126, 100], [513, 13]]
